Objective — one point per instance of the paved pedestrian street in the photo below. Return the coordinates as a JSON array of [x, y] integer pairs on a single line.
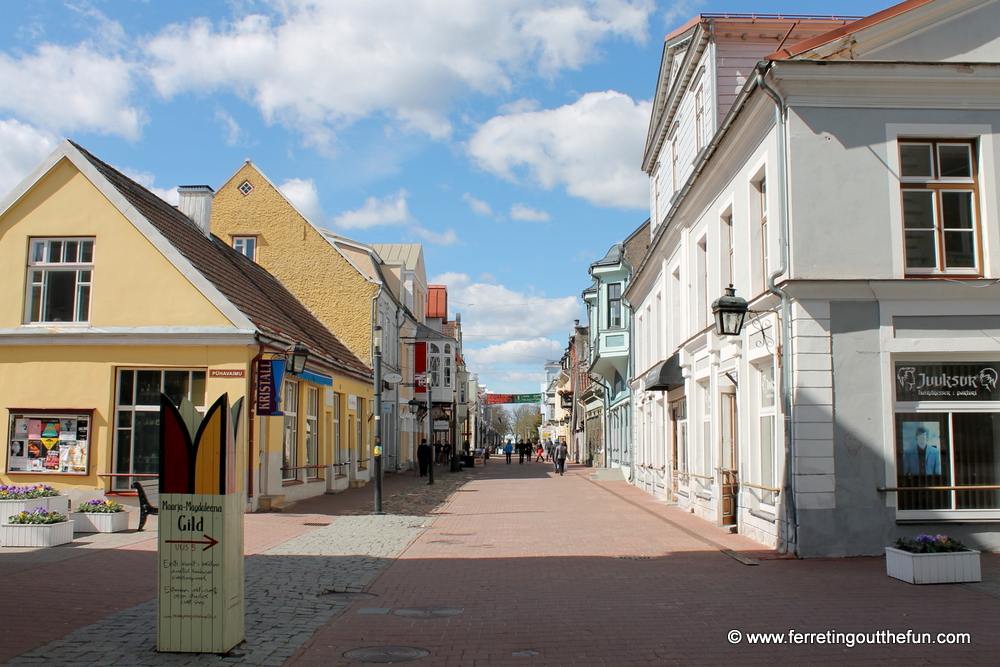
[[504, 565]]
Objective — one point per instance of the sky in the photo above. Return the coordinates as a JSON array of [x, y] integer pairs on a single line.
[[506, 136]]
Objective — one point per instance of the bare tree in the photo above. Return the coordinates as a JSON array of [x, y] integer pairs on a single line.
[[527, 418]]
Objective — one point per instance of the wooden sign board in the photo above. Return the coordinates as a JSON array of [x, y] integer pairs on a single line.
[[200, 578]]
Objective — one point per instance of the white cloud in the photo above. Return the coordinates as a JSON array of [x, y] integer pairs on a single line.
[[592, 147], [533, 351], [390, 210], [146, 180], [317, 66], [65, 89], [24, 147], [443, 238], [493, 312], [304, 196], [522, 212], [232, 129], [478, 207]]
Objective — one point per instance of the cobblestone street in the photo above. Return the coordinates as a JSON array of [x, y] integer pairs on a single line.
[[523, 568]]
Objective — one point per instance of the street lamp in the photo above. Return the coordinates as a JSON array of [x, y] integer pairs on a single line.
[[730, 311], [377, 364], [297, 356]]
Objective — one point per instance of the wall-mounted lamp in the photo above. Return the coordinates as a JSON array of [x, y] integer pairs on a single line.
[[297, 356], [730, 311]]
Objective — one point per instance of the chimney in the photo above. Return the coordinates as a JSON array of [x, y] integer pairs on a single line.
[[196, 203]]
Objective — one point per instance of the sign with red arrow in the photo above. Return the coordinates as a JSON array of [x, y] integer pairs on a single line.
[[208, 545]]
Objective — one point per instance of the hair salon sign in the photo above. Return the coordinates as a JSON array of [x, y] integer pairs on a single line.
[[975, 381]]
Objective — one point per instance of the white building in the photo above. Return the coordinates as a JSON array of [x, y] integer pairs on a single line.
[[847, 187]]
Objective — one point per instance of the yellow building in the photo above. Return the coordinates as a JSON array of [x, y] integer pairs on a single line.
[[114, 297], [346, 284]]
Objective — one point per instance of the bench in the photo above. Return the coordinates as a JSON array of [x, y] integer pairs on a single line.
[[149, 499]]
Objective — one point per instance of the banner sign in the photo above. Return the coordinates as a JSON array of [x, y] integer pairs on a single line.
[[968, 381], [270, 375], [500, 399]]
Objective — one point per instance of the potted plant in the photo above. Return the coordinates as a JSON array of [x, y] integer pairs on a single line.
[[36, 528], [16, 499], [932, 559], [99, 516]]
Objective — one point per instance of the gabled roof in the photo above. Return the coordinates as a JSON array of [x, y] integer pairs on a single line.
[[273, 310], [407, 254], [802, 48]]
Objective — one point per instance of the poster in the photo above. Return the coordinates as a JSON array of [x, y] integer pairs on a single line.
[[49, 444], [922, 451]]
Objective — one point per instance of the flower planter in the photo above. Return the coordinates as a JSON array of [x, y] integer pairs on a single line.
[[9, 508], [36, 535], [936, 568], [99, 522], [58, 503]]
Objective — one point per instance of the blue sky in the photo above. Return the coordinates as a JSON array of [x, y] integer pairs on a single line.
[[504, 135]]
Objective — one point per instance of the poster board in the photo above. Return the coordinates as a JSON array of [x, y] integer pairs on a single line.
[[49, 442]]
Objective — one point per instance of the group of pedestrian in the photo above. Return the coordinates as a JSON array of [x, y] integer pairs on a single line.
[[547, 451]]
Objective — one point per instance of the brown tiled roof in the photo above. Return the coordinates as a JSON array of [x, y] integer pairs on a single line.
[[259, 295], [637, 244]]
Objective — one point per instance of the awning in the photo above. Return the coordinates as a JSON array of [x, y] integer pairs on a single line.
[[665, 375]]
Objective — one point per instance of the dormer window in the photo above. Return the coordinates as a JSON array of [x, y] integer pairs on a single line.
[[246, 245], [60, 276]]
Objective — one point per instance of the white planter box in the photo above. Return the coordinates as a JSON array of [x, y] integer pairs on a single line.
[[36, 535], [9, 508], [58, 503], [99, 522], [943, 568]]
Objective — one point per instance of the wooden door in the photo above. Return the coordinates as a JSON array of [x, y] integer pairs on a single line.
[[730, 461]]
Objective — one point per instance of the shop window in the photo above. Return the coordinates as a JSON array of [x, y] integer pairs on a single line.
[[678, 412], [60, 276], [947, 431], [337, 398], [137, 416], [940, 206], [50, 443], [312, 431], [290, 447], [362, 448]]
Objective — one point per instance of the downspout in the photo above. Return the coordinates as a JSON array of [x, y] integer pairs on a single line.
[[785, 354], [252, 418]]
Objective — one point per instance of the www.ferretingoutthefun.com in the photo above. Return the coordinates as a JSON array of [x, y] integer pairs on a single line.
[[849, 639]]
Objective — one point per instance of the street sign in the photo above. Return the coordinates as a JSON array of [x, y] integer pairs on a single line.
[[392, 378]]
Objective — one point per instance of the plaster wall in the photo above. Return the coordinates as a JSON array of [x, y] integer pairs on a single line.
[[130, 274], [294, 251]]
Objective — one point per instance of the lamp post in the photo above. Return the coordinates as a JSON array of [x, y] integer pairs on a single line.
[[730, 311], [430, 417], [377, 363]]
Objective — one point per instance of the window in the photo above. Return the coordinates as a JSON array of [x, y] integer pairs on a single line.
[[290, 448], [947, 439], [701, 276], [764, 466], [336, 429], [246, 187], [362, 445], [53, 443], [60, 274], [699, 117], [434, 364], [940, 204], [614, 305], [707, 450], [312, 431], [246, 245], [137, 415], [760, 212], [678, 410], [729, 258]]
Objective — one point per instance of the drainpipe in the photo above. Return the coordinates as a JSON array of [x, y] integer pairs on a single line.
[[788, 488]]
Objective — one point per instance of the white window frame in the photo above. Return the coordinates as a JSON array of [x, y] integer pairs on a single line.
[[240, 245], [312, 432], [40, 266], [290, 430]]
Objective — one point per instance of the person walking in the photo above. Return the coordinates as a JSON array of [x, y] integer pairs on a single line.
[[424, 457], [560, 456], [548, 450], [539, 453], [508, 449], [520, 451]]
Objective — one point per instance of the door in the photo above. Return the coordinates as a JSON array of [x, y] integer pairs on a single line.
[[730, 461]]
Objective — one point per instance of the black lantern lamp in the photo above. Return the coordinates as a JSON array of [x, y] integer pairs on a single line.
[[297, 356], [730, 311]]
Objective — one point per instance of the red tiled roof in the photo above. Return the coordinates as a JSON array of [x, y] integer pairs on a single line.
[[259, 295], [836, 33]]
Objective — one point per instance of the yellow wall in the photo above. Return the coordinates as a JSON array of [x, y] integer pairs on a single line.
[[133, 283], [299, 256], [84, 377]]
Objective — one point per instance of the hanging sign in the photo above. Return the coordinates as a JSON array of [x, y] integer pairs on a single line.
[[270, 375], [500, 399]]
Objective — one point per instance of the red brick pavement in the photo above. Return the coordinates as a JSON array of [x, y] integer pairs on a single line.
[[86, 585], [599, 573]]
